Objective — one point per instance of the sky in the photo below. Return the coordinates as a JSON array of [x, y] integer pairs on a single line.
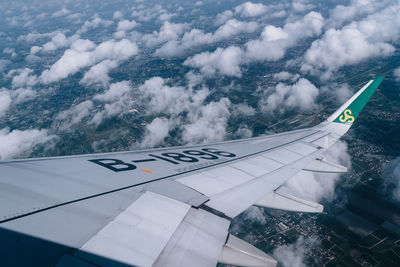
[[83, 74]]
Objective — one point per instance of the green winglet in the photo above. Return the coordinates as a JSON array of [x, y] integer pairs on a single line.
[[350, 114]]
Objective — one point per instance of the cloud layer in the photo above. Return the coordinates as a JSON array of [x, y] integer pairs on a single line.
[[358, 41], [271, 46]]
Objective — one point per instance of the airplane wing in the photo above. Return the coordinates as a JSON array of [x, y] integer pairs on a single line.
[[160, 207]]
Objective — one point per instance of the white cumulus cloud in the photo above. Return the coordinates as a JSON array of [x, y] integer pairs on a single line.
[[115, 92], [196, 37], [116, 101], [156, 132], [358, 41], [271, 46], [68, 118], [83, 53], [20, 143], [293, 255], [274, 41], [98, 74], [208, 124], [24, 78], [224, 61], [300, 95], [250, 9], [126, 25], [168, 31]]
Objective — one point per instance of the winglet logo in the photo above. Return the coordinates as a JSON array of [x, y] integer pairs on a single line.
[[346, 117]]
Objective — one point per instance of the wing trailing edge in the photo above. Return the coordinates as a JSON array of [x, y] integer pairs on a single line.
[[283, 201], [240, 253], [321, 165]]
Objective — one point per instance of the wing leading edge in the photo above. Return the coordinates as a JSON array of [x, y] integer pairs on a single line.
[[162, 207]]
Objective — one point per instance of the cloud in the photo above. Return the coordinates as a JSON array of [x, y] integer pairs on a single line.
[[24, 78], [61, 12], [93, 24], [224, 61], [166, 16], [208, 124], [148, 14], [168, 31], [20, 143], [75, 18], [71, 62], [316, 187], [249, 9], [84, 53], [396, 74], [271, 46], [68, 118], [293, 255], [126, 25], [301, 95], [58, 41], [155, 133], [355, 10], [223, 17], [285, 76], [243, 131], [22, 95], [255, 214], [274, 41], [110, 110], [196, 37], [243, 110], [358, 41], [3, 64], [118, 15], [234, 27], [98, 74], [116, 102], [301, 5], [11, 51], [392, 178], [123, 27], [172, 100], [115, 92], [343, 92], [34, 36], [16, 96], [5, 102], [194, 121]]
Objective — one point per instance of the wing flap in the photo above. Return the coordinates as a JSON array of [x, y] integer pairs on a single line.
[[257, 166], [138, 234], [240, 253], [284, 201], [197, 242], [234, 201], [321, 165], [216, 180]]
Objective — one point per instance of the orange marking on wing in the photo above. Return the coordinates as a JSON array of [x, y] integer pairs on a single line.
[[146, 170]]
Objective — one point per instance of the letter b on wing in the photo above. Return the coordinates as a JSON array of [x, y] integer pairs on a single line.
[[115, 165]]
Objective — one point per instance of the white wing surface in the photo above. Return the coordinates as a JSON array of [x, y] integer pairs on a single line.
[[162, 207]]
